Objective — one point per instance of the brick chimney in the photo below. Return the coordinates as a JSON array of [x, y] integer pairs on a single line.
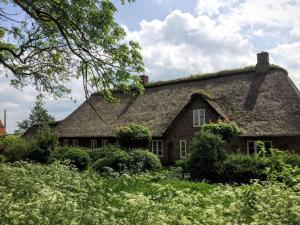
[[144, 79], [263, 63]]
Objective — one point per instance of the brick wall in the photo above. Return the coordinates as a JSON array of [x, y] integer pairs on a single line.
[[183, 129]]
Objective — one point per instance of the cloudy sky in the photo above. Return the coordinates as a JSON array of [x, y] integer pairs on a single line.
[[180, 37]]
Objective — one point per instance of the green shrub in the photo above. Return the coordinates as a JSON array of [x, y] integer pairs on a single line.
[[100, 153], [280, 170], [134, 136], [77, 156], [183, 163], [133, 162], [239, 168], [2, 146], [45, 142], [292, 159], [16, 148], [2, 158], [207, 154], [142, 160], [227, 130], [117, 160]]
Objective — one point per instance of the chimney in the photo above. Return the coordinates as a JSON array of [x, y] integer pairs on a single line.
[[144, 79], [263, 63]]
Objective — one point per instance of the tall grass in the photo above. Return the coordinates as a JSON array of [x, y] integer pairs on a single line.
[[56, 194]]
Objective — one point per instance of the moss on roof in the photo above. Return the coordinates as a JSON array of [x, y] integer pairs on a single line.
[[204, 76]]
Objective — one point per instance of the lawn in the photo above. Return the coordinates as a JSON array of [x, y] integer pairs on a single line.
[[56, 194]]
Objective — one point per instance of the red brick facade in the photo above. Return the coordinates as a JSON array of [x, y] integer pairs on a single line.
[[183, 129], [2, 129]]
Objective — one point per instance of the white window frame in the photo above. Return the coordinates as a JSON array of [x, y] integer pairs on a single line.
[[75, 142], [182, 143], [93, 143], [199, 121], [104, 143], [65, 142], [255, 145], [155, 148]]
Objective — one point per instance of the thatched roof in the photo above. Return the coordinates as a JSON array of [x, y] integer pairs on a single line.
[[261, 104], [33, 129]]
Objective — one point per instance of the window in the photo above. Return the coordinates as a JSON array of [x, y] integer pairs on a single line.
[[157, 147], [75, 143], [93, 144], [252, 147], [65, 142], [104, 143], [198, 117], [182, 144]]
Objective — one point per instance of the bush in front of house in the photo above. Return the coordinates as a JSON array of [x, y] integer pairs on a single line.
[[142, 160], [240, 168], [292, 159], [15, 148], [45, 142], [134, 136], [227, 130], [100, 153], [78, 157], [207, 154], [135, 161], [2, 159], [117, 160]]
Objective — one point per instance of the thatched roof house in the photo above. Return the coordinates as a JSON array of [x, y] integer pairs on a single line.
[[261, 99]]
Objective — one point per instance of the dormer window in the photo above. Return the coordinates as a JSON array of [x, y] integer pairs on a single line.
[[198, 117]]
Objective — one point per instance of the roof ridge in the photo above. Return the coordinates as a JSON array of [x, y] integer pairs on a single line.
[[204, 76]]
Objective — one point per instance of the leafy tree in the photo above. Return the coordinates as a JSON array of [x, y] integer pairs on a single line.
[[51, 41], [45, 141], [38, 115]]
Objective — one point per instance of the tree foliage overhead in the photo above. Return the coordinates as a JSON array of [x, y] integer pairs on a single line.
[[51, 41], [38, 115]]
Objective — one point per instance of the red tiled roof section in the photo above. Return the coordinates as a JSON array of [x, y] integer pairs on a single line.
[[2, 129]]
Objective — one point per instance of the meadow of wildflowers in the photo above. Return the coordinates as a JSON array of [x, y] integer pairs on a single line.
[[56, 194]]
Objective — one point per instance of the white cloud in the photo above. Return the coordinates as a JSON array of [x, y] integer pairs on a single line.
[[288, 56], [19, 104], [214, 7], [222, 34], [276, 14], [182, 44], [258, 33]]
